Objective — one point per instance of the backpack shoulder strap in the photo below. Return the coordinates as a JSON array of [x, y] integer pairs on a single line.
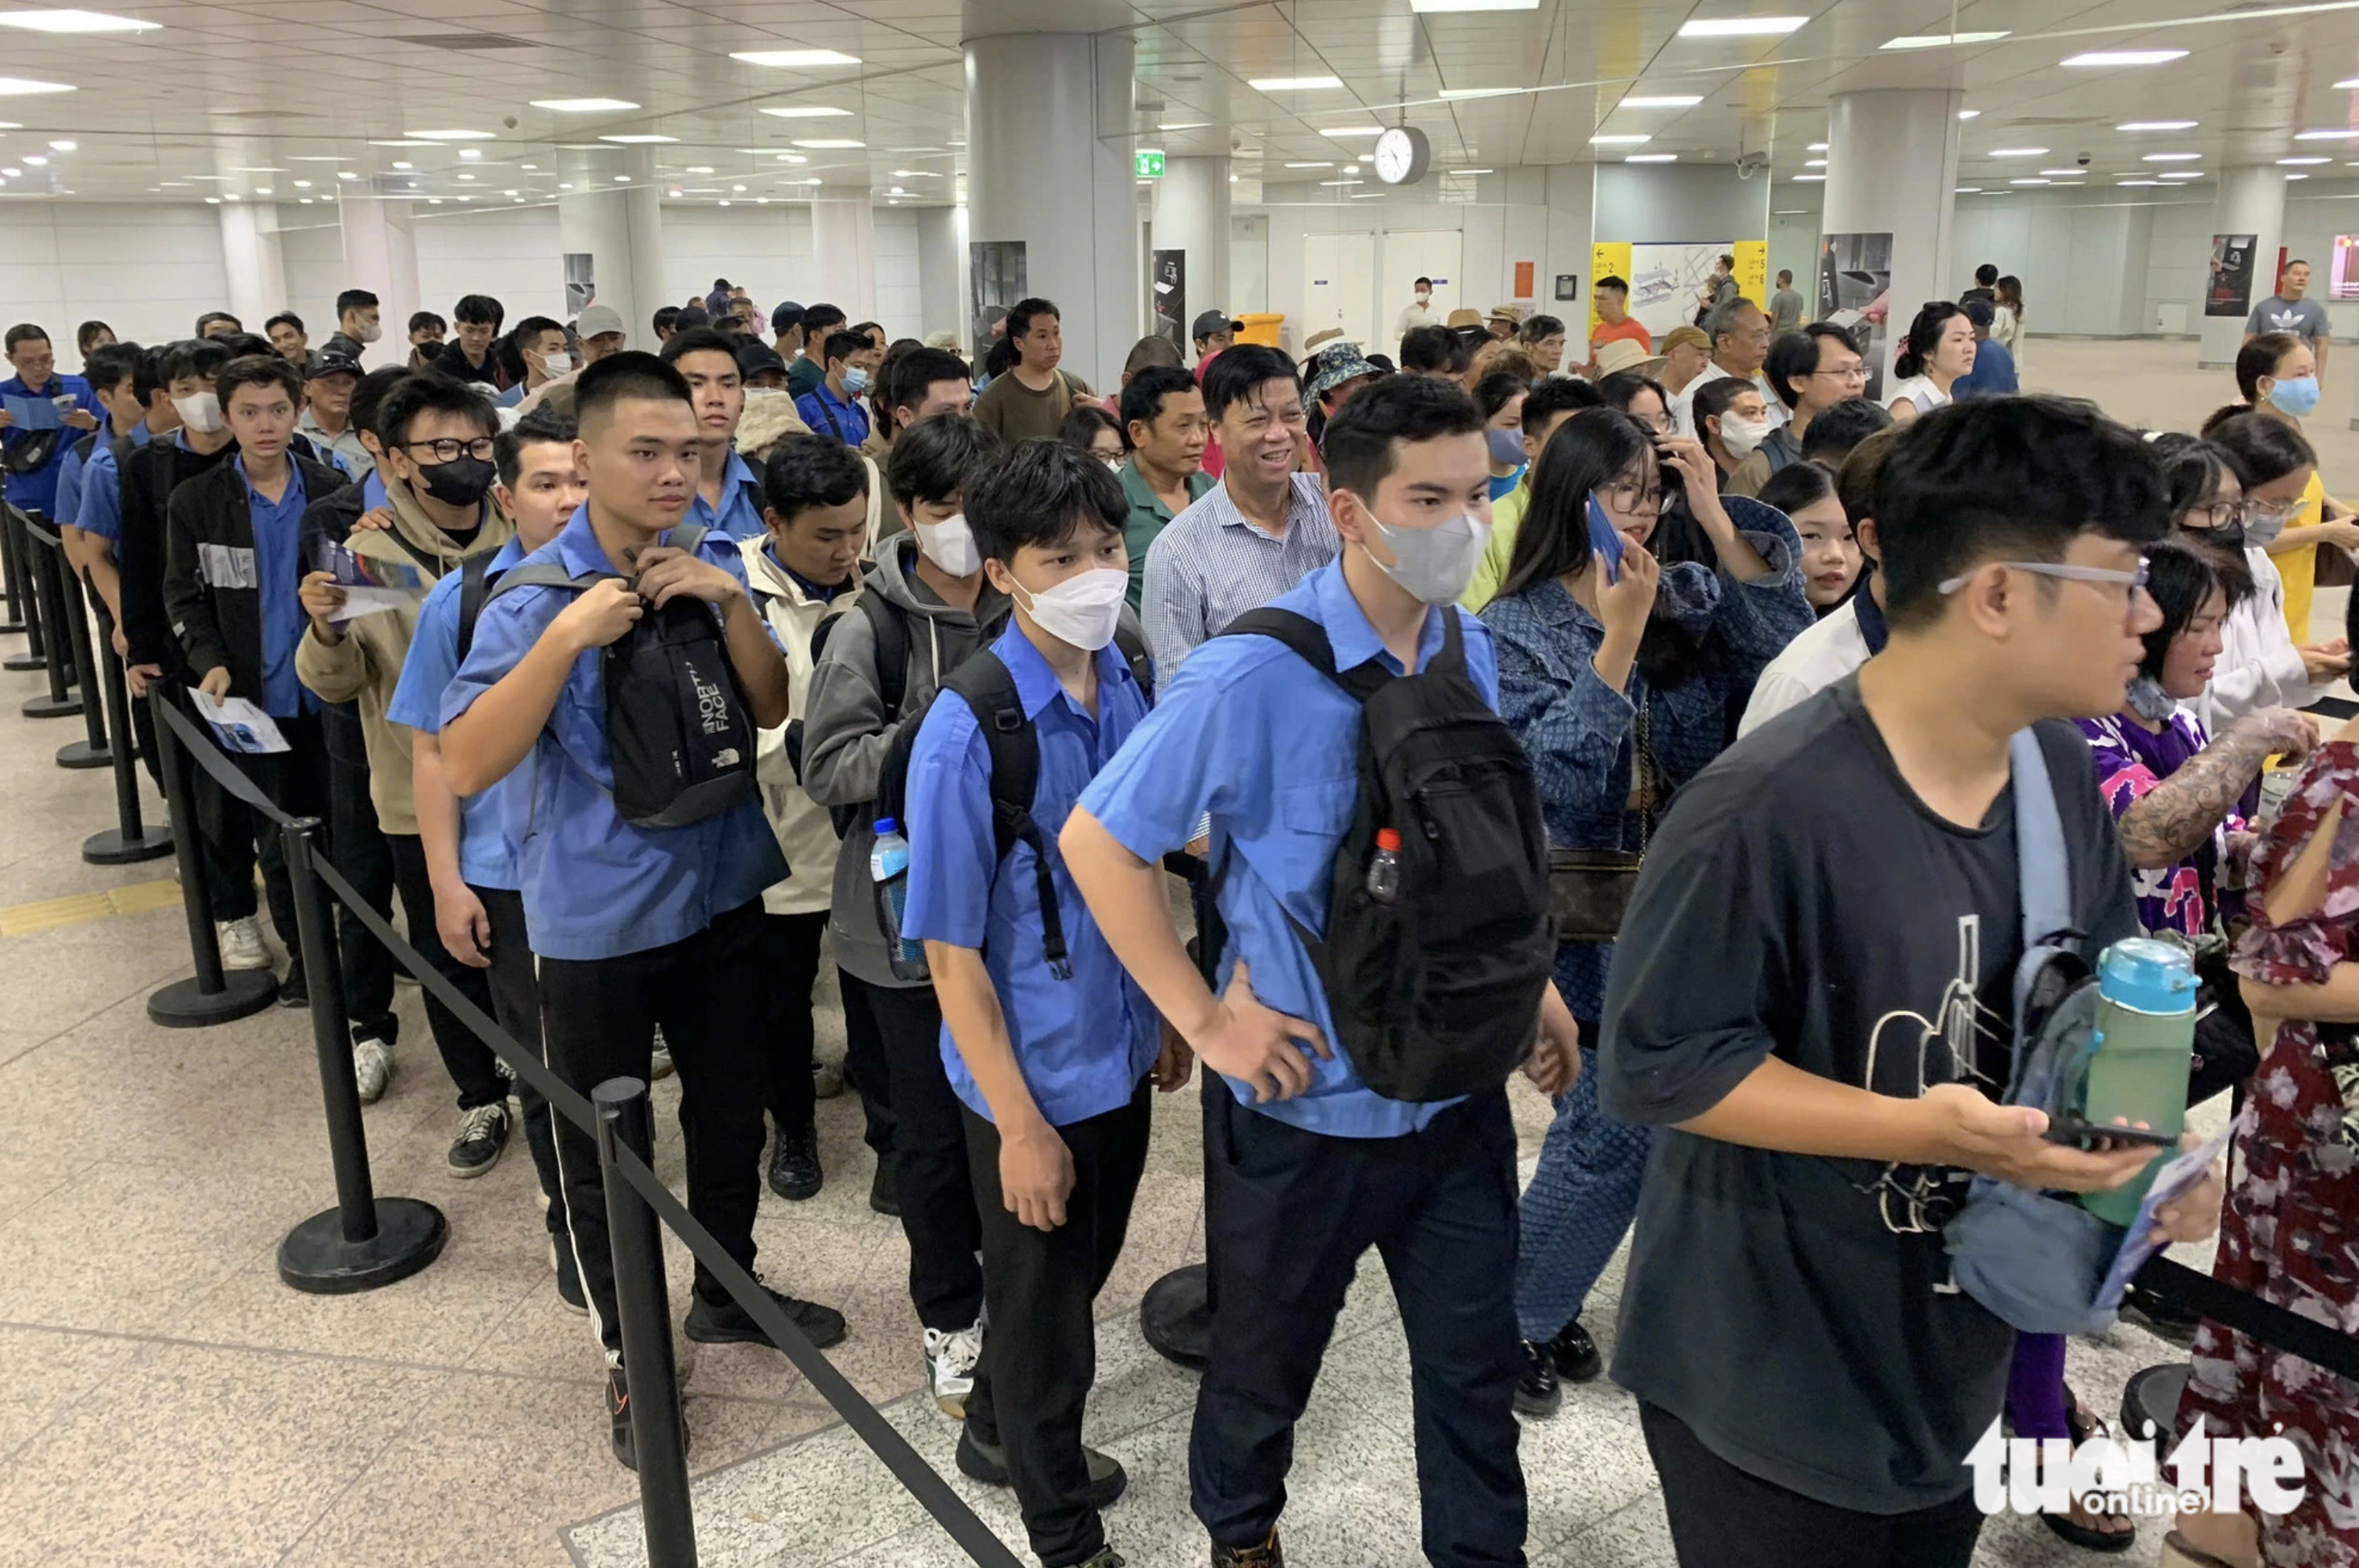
[[685, 537], [547, 574], [474, 587], [984, 684], [891, 631], [2043, 866], [1307, 640]]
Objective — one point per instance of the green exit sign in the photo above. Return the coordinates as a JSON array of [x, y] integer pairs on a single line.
[[1149, 164]]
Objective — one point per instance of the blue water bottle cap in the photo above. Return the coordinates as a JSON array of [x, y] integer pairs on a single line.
[[2148, 976], [886, 825]]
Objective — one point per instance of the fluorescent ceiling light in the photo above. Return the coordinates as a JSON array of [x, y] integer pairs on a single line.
[[829, 143], [2128, 184], [1662, 101], [2297, 177], [697, 169], [18, 87], [2298, 162], [1187, 125], [808, 112], [795, 59], [1651, 157], [1431, 8], [2172, 157], [2348, 83], [1741, 26], [75, 22], [299, 158], [37, 161], [69, 146], [2156, 125], [1453, 94], [1294, 84], [585, 105], [2198, 174], [2325, 135], [451, 136], [1814, 163], [1806, 179], [1940, 40], [405, 165], [2018, 152], [255, 168], [1466, 171], [402, 144], [471, 152], [1329, 164], [1818, 147], [2100, 57], [622, 180], [1619, 141], [1966, 190], [1330, 184], [1968, 114], [917, 174], [2030, 181], [346, 174], [2064, 173], [1344, 132], [642, 140]]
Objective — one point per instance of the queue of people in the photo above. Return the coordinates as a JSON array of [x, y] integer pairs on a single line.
[[1482, 713]]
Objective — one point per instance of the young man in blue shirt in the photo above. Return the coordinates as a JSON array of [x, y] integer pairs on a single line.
[[834, 408], [114, 372], [1051, 1063], [1306, 1167], [36, 366], [634, 928], [728, 492], [471, 846]]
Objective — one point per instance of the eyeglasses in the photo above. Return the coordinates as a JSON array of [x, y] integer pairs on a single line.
[[1631, 499], [2131, 579], [1847, 373], [448, 450]]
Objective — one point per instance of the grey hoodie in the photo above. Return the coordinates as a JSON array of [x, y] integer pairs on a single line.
[[845, 734]]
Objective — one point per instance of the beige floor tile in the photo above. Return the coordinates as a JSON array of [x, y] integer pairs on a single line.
[[49, 1371]]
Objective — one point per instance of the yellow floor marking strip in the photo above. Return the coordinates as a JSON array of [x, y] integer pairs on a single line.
[[80, 909]]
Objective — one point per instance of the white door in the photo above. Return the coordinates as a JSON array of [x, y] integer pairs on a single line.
[[1339, 278], [1412, 253]]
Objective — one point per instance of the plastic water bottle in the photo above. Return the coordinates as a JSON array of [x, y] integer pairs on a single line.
[[888, 866], [1384, 867], [2137, 1059]]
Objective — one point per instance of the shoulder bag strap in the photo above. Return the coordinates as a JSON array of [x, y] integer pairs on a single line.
[[474, 587], [2041, 865]]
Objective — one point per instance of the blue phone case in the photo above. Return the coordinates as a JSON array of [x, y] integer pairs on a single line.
[[1606, 539]]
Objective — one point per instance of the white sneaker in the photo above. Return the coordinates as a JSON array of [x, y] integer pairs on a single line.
[[827, 1080], [372, 1067], [950, 1367], [241, 944]]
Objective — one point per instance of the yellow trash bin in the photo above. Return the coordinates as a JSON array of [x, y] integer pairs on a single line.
[[1261, 328]]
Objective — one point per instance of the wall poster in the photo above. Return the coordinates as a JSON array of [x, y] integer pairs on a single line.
[[1854, 293], [1167, 303], [996, 279], [2228, 291], [580, 282]]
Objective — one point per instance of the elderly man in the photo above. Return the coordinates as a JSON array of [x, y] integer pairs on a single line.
[[1739, 343]]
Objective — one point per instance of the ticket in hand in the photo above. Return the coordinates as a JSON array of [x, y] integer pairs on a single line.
[[352, 570]]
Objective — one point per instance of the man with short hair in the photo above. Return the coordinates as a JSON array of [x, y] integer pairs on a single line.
[[218, 324], [97, 520], [1543, 339], [35, 362], [113, 373], [923, 383], [1032, 399], [1503, 323], [666, 322], [2290, 309], [1994, 373], [759, 366], [1839, 431], [728, 492], [1807, 371], [1610, 298], [787, 330], [1436, 352], [426, 333], [328, 413], [1418, 312], [1255, 535], [838, 405], [286, 333], [1212, 330], [806, 370], [2011, 533], [1986, 286], [540, 343], [1163, 410], [469, 356], [357, 327], [1785, 304], [1739, 343]]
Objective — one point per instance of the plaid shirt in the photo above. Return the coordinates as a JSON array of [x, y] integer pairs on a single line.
[[1210, 566]]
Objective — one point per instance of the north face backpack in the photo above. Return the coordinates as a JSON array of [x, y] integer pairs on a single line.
[[678, 730], [1436, 991]]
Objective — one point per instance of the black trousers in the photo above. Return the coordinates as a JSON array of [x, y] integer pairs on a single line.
[[1040, 1357], [360, 856], [930, 1157], [516, 1004], [863, 1064], [470, 1063], [296, 781], [1288, 1215], [793, 963], [1722, 1516], [599, 1018]]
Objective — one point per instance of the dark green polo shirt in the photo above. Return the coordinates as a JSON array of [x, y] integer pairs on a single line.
[[1147, 517]]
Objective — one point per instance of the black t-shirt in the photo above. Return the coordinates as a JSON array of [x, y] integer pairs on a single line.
[[1801, 901]]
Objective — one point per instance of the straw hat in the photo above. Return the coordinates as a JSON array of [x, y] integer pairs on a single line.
[[1463, 318], [1624, 353]]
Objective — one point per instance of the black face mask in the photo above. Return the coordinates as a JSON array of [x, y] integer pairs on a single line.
[[2228, 537], [462, 482]]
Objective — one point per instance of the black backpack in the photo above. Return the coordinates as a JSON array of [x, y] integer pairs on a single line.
[[1436, 993], [677, 726]]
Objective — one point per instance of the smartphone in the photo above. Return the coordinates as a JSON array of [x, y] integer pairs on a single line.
[[1605, 539], [2075, 1131]]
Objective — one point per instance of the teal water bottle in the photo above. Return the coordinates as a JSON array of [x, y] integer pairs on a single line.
[[2137, 1060], [888, 866]]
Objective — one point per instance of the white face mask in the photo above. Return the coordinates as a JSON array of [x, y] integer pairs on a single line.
[[1082, 611], [372, 332], [200, 412], [1114, 465], [1436, 564], [950, 544], [1740, 435], [556, 364]]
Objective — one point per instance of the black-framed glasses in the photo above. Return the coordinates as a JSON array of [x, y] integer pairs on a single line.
[[448, 449], [1632, 500]]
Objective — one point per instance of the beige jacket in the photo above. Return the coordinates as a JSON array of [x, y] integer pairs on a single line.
[[806, 832], [366, 665]]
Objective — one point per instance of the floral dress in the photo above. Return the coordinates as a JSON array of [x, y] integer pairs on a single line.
[[2290, 1232]]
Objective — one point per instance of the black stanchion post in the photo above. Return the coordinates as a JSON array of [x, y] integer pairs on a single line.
[[213, 995], [365, 1241], [23, 614], [643, 1304], [43, 564], [74, 611], [130, 840]]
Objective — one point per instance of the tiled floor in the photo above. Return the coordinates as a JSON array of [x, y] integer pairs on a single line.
[[167, 1402]]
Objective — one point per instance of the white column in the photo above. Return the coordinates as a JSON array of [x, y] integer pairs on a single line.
[[1892, 167], [2251, 201], [381, 255], [843, 251], [942, 271], [1192, 215], [615, 214], [1049, 132], [251, 256]]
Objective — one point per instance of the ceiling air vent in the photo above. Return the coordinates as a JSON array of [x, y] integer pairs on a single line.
[[466, 42]]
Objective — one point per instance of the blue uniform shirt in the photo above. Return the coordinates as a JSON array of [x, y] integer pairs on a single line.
[[1084, 1042], [99, 509], [278, 544], [595, 886], [373, 492], [37, 491], [1270, 748], [740, 515], [829, 415], [487, 852]]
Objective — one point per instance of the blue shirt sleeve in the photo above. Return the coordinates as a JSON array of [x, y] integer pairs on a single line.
[[1195, 752], [99, 510], [505, 633], [69, 472], [431, 661], [953, 858]]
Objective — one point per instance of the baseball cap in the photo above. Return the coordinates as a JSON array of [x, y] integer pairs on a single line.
[[597, 320], [337, 363], [1619, 354], [755, 356], [1337, 363], [1213, 321], [1980, 313]]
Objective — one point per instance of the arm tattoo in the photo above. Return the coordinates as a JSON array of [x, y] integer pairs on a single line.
[[2170, 820]]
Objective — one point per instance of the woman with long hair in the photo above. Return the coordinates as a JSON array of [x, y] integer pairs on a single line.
[[2007, 315], [1623, 680], [1096, 432], [1938, 352], [1500, 395], [1830, 561], [2277, 376]]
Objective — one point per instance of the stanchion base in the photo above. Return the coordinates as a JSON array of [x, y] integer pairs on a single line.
[[82, 755], [315, 1256], [21, 662], [52, 707], [11, 621], [1176, 1320], [181, 1005], [2150, 1400], [112, 848]]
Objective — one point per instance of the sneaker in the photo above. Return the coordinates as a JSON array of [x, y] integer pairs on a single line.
[[1538, 1392], [1268, 1555], [1575, 1354], [950, 1367], [1107, 1557], [659, 1061], [371, 1066], [292, 991], [793, 1165], [483, 1137], [885, 1191], [569, 1277], [827, 1079], [618, 1417], [987, 1463], [726, 1323], [241, 943]]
